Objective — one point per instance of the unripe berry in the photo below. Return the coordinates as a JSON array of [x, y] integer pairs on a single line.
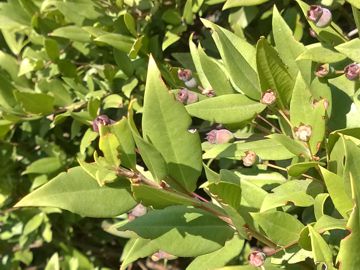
[[186, 97], [257, 258], [320, 16], [219, 136], [101, 120], [352, 71], [192, 83], [184, 74], [268, 98]]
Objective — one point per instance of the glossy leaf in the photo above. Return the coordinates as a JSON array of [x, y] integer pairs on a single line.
[[77, 192], [336, 189], [351, 49], [182, 231], [123, 134], [218, 258], [300, 168], [287, 46], [321, 250], [226, 109], [241, 73], [273, 74], [298, 192], [165, 123], [280, 227], [159, 198], [139, 248], [36, 103], [151, 157]]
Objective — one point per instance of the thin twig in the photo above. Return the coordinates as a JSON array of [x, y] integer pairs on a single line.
[[269, 123]]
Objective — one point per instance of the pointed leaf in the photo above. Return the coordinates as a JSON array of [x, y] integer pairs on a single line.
[[140, 248], [182, 231], [241, 73], [321, 250], [298, 192], [159, 198], [226, 109], [77, 192], [153, 160], [218, 258], [280, 227], [165, 124], [287, 46], [273, 74], [336, 189]]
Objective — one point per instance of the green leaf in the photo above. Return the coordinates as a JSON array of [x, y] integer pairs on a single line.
[[280, 227], [351, 49], [120, 42], [122, 132], [151, 157], [298, 192], [159, 198], [165, 124], [218, 258], [140, 248], [73, 33], [44, 166], [321, 250], [108, 144], [287, 46], [242, 46], [318, 53], [36, 103], [130, 24], [319, 205], [182, 231], [215, 74], [240, 3], [241, 72], [251, 195], [327, 223], [267, 149], [350, 244], [53, 263], [77, 192], [226, 109], [99, 172], [301, 108], [297, 169], [354, 3], [56, 88], [33, 224], [227, 193], [273, 74], [88, 137], [52, 49], [336, 189], [293, 146]]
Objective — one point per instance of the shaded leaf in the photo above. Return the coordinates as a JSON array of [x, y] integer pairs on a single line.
[[182, 231]]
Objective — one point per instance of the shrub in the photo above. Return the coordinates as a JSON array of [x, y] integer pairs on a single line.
[[149, 128]]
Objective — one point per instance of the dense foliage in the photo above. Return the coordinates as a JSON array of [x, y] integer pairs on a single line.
[[197, 134]]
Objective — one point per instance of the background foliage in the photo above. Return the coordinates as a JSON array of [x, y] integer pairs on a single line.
[[63, 63]]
